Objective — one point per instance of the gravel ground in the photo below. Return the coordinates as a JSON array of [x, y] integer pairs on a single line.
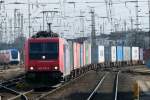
[[125, 87], [105, 91], [4, 95], [144, 81], [78, 90], [11, 73]]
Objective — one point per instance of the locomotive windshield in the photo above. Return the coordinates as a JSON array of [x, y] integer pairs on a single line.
[[43, 51]]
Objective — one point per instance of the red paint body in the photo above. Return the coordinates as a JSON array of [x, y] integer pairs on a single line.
[[45, 65], [78, 55]]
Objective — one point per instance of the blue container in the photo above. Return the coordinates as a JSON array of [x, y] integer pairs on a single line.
[[119, 53]]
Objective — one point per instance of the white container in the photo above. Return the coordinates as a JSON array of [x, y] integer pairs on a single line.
[[113, 53], [101, 57], [141, 54], [135, 53]]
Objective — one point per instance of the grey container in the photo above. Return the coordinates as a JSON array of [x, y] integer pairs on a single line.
[[141, 54], [97, 52], [107, 54], [71, 54], [127, 53], [67, 67], [94, 52]]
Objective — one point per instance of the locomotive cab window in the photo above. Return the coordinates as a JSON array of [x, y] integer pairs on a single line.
[[44, 51]]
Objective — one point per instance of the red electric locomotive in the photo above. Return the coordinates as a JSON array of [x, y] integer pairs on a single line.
[[46, 59]]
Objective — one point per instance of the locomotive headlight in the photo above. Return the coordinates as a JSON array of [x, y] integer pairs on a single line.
[[31, 68], [55, 67]]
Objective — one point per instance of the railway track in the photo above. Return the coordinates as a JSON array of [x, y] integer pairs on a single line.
[[39, 94], [111, 77], [7, 89], [76, 89], [107, 88]]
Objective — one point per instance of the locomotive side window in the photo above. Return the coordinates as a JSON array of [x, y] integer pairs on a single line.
[[43, 51]]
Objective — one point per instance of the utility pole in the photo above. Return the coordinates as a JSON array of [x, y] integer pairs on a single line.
[[125, 25], [131, 23], [137, 16], [93, 27], [103, 23], [10, 29], [43, 21], [101, 29], [137, 22], [29, 17], [15, 20], [18, 24], [149, 21], [21, 24], [82, 23]]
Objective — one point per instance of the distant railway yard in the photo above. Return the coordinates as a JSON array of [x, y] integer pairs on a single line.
[[117, 83], [74, 50]]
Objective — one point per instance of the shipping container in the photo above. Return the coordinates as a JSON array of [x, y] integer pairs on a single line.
[[146, 54], [71, 54], [135, 53], [87, 52], [119, 53], [107, 54], [89, 60], [97, 54], [81, 55], [75, 55], [127, 53], [84, 54], [113, 54], [67, 68], [141, 54], [78, 54], [94, 56], [101, 56]]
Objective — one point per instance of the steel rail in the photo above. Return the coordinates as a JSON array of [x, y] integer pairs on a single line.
[[116, 86], [99, 84]]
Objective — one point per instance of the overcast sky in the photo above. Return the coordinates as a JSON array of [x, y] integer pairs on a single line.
[[72, 24]]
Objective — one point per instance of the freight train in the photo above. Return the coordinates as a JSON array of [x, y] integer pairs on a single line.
[[10, 56], [49, 58]]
